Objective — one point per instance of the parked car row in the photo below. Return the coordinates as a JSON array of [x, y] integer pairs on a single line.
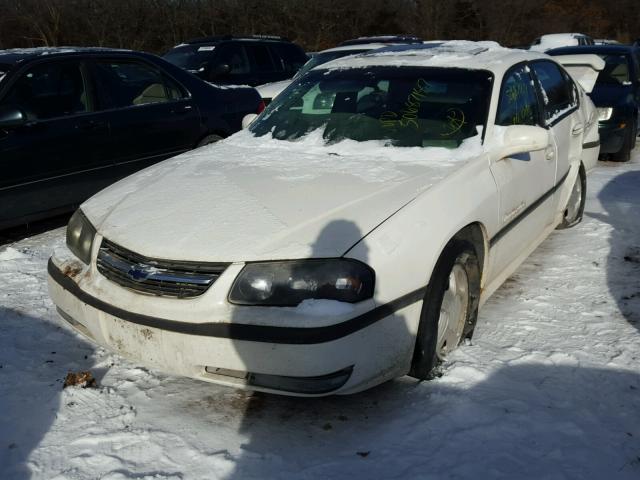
[[347, 237]]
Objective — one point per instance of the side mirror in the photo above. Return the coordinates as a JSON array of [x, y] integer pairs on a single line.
[[248, 119], [522, 139], [12, 117], [220, 70]]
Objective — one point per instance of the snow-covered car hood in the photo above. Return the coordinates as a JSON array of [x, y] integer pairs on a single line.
[[249, 198]]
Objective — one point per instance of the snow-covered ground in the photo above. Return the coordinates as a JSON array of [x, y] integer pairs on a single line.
[[548, 389]]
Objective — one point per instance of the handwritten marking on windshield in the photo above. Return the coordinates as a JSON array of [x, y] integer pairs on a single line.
[[455, 121], [408, 115]]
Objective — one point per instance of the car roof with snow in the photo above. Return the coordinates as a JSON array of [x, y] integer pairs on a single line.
[[453, 54], [382, 39], [561, 36]]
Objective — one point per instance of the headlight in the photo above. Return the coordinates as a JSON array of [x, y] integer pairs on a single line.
[[604, 113], [80, 234], [287, 283]]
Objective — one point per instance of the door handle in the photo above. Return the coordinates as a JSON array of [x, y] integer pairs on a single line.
[[181, 110], [577, 130]]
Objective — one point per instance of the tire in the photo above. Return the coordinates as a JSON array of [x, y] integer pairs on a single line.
[[575, 205], [456, 268], [624, 155], [212, 138]]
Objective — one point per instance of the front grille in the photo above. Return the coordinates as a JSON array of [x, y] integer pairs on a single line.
[[156, 277]]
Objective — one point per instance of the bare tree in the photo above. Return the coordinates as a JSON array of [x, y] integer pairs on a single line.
[[157, 25]]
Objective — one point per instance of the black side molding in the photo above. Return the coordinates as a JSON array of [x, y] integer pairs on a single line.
[[239, 331], [509, 226]]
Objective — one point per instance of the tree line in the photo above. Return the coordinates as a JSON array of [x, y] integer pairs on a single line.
[[157, 25]]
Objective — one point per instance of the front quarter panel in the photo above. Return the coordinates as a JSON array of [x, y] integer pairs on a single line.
[[404, 249]]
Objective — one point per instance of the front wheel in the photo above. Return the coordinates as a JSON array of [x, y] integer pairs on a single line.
[[209, 139], [575, 206], [449, 309]]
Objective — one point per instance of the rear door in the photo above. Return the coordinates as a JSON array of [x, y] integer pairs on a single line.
[[265, 66], [560, 100], [235, 56], [152, 117], [55, 159], [290, 56]]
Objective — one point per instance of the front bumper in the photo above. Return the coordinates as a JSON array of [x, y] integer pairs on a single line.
[[312, 361]]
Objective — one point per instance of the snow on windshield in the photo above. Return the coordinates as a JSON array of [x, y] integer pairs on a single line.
[[310, 157]]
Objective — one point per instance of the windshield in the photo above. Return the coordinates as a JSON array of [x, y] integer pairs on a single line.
[[190, 57], [320, 58], [407, 107], [616, 70]]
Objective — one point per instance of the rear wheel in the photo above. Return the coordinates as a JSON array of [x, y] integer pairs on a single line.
[[450, 307], [212, 138], [575, 206]]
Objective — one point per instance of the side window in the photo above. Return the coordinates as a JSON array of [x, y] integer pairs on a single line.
[[235, 56], [291, 56], [126, 83], [573, 89], [261, 58], [49, 91], [558, 91], [518, 104], [616, 70]]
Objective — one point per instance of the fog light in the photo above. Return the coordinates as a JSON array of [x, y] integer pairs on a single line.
[[307, 385]]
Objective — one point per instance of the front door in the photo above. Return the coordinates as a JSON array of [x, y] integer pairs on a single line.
[[523, 180], [47, 163], [566, 127]]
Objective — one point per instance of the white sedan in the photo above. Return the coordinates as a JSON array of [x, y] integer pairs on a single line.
[[349, 236]]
